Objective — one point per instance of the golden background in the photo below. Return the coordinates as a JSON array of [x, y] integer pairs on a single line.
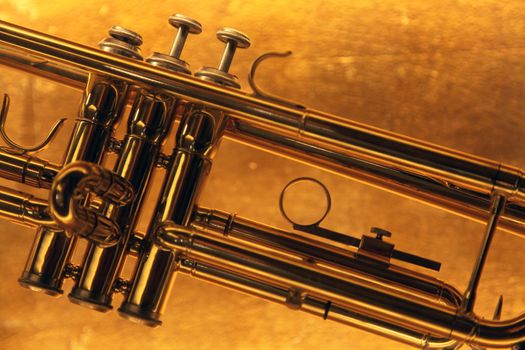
[[449, 72]]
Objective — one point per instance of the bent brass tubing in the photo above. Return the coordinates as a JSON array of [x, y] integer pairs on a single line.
[[69, 192], [274, 242], [190, 243], [317, 307], [382, 148], [439, 320], [27, 169], [24, 209]]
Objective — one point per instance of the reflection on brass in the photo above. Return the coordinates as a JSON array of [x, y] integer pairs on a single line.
[[366, 282]]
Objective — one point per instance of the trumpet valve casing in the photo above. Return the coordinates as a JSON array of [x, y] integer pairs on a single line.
[[102, 104]]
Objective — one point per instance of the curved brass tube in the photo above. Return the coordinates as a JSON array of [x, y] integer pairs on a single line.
[[279, 242], [68, 195], [495, 334], [382, 305], [311, 305]]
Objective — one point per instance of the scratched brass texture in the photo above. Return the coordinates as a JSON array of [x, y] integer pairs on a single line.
[[449, 72]]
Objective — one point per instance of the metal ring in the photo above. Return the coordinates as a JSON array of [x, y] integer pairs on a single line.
[[323, 187]]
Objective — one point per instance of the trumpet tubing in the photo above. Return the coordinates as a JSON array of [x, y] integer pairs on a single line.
[[354, 281]]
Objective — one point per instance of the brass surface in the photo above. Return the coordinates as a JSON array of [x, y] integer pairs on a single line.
[[446, 72], [199, 135]]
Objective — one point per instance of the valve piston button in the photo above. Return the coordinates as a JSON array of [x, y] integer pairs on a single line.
[[234, 40], [172, 61]]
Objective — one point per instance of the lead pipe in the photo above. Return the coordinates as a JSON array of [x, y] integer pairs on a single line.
[[470, 205]]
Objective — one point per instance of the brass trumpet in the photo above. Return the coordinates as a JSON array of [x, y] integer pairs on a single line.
[[329, 274]]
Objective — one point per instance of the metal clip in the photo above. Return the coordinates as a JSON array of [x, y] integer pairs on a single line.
[[15, 146]]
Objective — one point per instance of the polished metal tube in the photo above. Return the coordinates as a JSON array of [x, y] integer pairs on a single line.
[[426, 190], [276, 242], [452, 172], [102, 105], [23, 208], [446, 178], [438, 320], [149, 122], [197, 139], [27, 169], [196, 244], [469, 299], [423, 189], [311, 305], [71, 77]]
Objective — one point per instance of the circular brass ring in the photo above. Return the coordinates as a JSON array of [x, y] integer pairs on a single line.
[[300, 179]]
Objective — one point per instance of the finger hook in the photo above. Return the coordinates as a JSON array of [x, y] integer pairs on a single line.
[[19, 148]]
